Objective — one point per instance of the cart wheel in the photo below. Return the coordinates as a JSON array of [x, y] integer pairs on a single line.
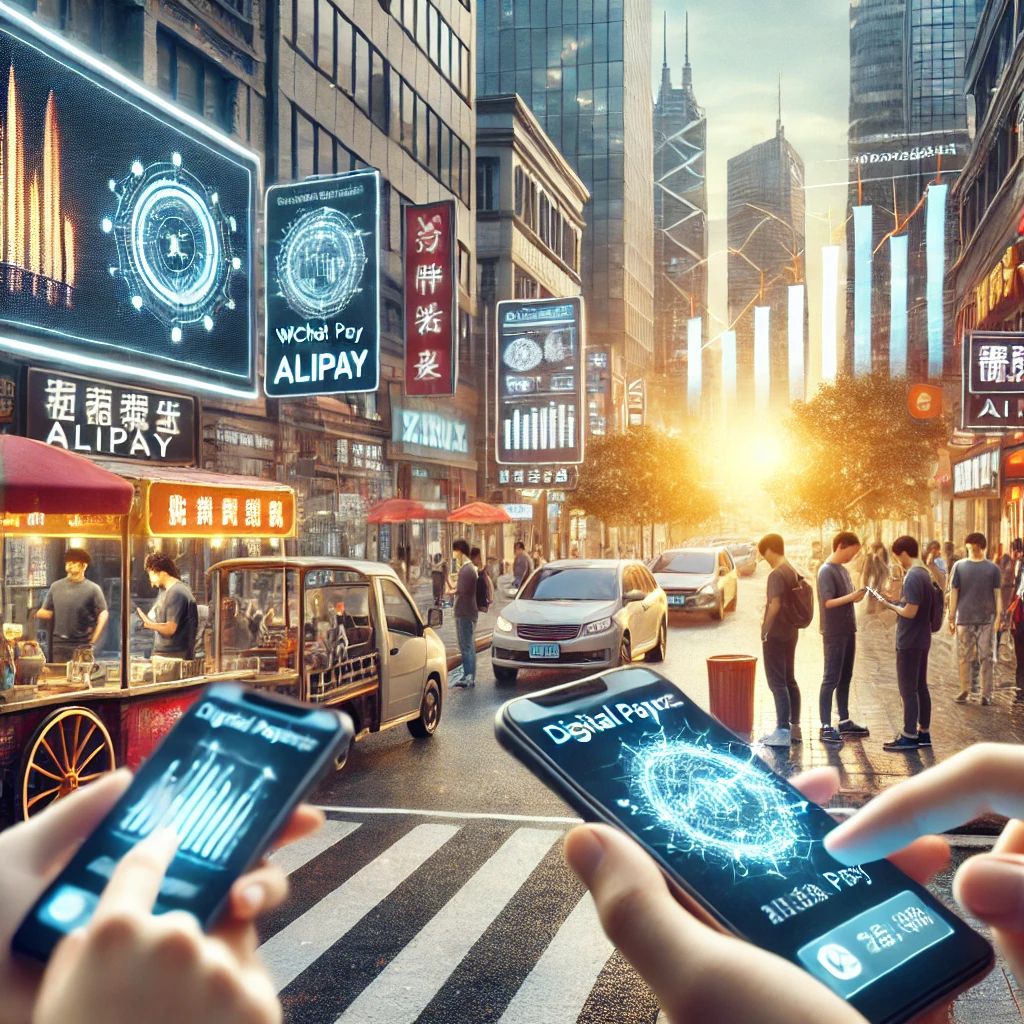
[[70, 749]]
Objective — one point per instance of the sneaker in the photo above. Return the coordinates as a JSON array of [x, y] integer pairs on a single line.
[[924, 739], [849, 727], [1019, 699], [986, 702], [902, 743], [470, 682], [961, 698], [796, 734], [830, 736], [456, 679], [778, 738]]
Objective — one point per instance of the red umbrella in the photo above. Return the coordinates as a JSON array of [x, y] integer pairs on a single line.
[[479, 513], [400, 510], [37, 477]]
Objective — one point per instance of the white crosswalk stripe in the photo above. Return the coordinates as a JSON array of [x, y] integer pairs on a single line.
[[400, 993], [294, 856]]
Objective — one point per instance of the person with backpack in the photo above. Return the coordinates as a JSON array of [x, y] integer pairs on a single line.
[[785, 614], [975, 606], [836, 598], [466, 614], [920, 615], [484, 589]]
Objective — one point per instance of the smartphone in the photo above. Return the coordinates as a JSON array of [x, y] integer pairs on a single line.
[[226, 779], [741, 845]]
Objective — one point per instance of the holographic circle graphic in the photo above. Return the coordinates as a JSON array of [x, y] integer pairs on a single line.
[[716, 805], [173, 245], [321, 262]]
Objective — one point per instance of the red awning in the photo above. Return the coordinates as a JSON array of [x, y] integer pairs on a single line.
[[401, 510], [37, 477], [479, 513]]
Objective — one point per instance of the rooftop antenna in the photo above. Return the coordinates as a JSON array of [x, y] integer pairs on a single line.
[[664, 60], [778, 123]]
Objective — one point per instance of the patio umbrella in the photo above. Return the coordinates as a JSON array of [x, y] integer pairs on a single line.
[[400, 510], [37, 477], [479, 513]]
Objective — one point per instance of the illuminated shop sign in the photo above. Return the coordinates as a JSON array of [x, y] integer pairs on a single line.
[[206, 510], [322, 291], [993, 381], [978, 474], [431, 300], [432, 430], [519, 512], [95, 417], [49, 524], [128, 225], [1002, 288], [541, 389], [565, 477]]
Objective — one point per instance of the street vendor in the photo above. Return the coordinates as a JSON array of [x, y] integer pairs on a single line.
[[76, 607], [175, 615]]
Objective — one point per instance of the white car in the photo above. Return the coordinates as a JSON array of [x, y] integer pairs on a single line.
[[581, 613]]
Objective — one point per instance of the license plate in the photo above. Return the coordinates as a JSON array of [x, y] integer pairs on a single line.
[[676, 600], [544, 650]]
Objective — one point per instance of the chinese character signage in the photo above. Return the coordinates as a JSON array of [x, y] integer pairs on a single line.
[[978, 475], [431, 300], [201, 510], [564, 477], [97, 418], [993, 381], [540, 386], [127, 229], [323, 286]]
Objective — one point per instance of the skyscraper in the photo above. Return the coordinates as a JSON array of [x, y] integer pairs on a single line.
[[680, 219], [584, 72], [766, 258]]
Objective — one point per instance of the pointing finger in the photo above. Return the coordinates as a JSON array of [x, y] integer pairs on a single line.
[[135, 883]]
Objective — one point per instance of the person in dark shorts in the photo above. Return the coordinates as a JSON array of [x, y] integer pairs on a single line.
[[76, 607], [778, 640], [175, 616]]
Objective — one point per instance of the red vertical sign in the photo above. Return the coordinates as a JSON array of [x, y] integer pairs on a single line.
[[431, 300]]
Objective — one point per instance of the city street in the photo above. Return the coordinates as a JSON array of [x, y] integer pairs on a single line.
[[438, 893]]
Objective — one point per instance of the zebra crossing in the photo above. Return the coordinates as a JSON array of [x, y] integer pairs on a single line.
[[410, 919]]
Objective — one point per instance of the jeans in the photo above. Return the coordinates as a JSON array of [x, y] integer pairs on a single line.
[[465, 630], [779, 658], [974, 643], [912, 678], [839, 655]]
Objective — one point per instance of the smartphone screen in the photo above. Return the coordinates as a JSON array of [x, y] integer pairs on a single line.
[[743, 841], [224, 779]]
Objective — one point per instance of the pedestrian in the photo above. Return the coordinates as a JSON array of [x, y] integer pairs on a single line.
[[876, 575], [935, 563], [466, 614], [484, 590], [1007, 570], [1015, 615], [778, 644], [437, 579], [521, 565], [913, 642], [836, 598], [76, 606], [174, 616], [975, 605]]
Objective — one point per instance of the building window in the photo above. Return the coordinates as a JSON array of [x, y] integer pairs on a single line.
[[194, 82], [488, 169], [465, 260], [525, 286]]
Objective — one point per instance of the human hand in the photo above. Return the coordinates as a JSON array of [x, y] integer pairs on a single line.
[[33, 853], [859, 595], [952, 627], [986, 778], [696, 972]]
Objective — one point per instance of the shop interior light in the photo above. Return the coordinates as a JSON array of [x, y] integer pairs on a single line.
[[216, 542]]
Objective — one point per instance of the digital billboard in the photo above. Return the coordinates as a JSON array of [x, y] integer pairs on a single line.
[[126, 237], [322, 290], [541, 386], [431, 300]]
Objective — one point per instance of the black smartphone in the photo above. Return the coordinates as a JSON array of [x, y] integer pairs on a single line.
[[743, 847], [226, 779]]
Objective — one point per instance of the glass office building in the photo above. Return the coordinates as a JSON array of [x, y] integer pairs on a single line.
[[583, 67]]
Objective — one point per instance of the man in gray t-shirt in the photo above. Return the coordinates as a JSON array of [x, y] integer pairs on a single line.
[[975, 605], [76, 607], [466, 614], [174, 616]]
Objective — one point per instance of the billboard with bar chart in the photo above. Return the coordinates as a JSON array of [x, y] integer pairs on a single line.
[[541, 382]]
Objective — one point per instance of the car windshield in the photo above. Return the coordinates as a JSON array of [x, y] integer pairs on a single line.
[[573, 584], [698, 562]]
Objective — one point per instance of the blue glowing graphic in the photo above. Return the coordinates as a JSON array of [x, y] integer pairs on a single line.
[[173, 245], [829, 307], [935, 256], [723, 808], [729, 367], [762, 358], [797, 375], [862, 256], [898, 306], [321, 263], [694, 366]]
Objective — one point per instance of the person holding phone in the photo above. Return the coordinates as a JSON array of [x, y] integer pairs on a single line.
[[175, 615], [127, 965], [699, 974]]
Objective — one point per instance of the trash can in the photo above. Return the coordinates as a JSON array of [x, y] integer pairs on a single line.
[[731, 689]]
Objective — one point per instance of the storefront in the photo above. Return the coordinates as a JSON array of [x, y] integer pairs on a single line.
[[1013, 489], [976, 494]]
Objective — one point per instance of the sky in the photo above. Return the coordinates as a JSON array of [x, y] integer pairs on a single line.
[[736, 62]]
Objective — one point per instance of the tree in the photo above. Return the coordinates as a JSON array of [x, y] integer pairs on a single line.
[[855, 454], [641, 478]]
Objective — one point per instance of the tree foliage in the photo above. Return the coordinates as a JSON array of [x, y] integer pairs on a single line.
[[854, 453], [641, 477]]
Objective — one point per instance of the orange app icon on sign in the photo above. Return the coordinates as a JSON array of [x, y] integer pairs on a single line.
[[925, 401]]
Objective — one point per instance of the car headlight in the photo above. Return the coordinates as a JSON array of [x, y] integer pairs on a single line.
[[502, 625], [598, 626], [708, 588]]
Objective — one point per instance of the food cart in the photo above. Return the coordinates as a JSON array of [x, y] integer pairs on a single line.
[[61, 727]]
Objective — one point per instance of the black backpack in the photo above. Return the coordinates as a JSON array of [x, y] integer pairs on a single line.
[[798, 604], [484, 596], [937, 610]]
